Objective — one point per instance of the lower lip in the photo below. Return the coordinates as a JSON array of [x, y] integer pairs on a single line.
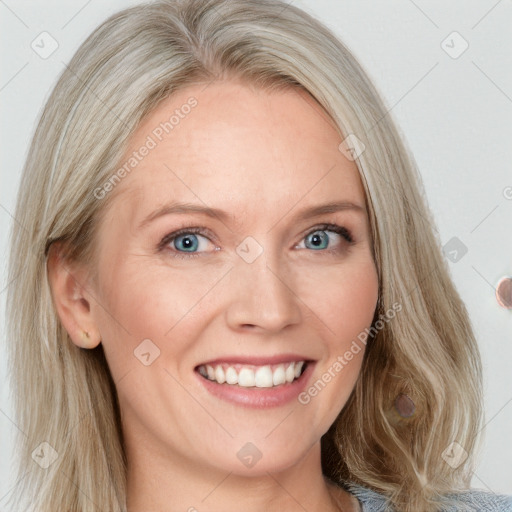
[[259, 398]]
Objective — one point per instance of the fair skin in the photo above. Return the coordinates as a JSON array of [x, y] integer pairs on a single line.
[[263, 157]]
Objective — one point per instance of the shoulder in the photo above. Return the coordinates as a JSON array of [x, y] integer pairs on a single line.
[[485, 501], [472, 500]]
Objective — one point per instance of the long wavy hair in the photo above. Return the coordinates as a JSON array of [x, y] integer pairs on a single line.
[[65, 396]]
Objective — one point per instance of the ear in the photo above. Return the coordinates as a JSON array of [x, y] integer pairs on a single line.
[[72, 299]]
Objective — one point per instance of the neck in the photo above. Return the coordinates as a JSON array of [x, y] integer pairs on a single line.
[[160, 482]]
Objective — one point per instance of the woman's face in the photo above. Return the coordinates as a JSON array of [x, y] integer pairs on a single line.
[[255, 281]]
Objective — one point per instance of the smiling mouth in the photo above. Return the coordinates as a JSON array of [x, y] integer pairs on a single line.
[[250, 376]]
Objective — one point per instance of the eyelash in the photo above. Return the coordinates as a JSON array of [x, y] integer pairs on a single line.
[[163, 245]]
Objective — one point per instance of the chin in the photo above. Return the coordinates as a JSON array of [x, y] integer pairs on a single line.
[[258, 458]]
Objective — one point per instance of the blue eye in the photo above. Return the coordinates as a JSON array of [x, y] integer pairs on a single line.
[[320, 239], [186, 242], [189, 242]]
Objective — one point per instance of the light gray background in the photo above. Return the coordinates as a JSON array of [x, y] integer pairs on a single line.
[[454, 113]]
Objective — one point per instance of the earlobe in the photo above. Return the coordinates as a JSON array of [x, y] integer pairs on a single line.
[[87, 341], [68, 282]]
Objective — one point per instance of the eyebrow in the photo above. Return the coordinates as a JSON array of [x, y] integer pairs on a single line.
[[183, 208]]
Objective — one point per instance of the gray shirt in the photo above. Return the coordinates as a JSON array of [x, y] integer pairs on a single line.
[[472, 500]]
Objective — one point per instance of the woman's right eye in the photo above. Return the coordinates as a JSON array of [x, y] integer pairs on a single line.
[[191, 242], [185, 242]]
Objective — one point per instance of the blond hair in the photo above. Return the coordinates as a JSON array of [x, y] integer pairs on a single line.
[[65, 396]]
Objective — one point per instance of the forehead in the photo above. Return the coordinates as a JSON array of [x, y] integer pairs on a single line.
[[235, 147]]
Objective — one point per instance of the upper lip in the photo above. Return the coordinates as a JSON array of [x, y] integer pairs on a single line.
[[257, 360]]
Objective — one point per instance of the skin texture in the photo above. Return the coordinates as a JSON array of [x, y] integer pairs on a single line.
[[263, 157]]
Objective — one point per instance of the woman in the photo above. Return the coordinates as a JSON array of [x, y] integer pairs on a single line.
[[240, 300]]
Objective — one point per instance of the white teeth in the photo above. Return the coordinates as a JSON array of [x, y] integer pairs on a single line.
[[290, 373], [263, 377], [279, 376], [253, 376], [231, 376], [219, 375], [246, 378]]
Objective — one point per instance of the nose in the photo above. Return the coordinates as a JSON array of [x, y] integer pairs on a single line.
[[262, 296]]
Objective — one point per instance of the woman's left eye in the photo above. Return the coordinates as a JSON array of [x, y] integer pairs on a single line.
[[318, 237], [188, 240]]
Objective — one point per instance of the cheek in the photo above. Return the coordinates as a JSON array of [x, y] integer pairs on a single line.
[[357, 300], [346, 311], [141, 302], [344, 299]]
